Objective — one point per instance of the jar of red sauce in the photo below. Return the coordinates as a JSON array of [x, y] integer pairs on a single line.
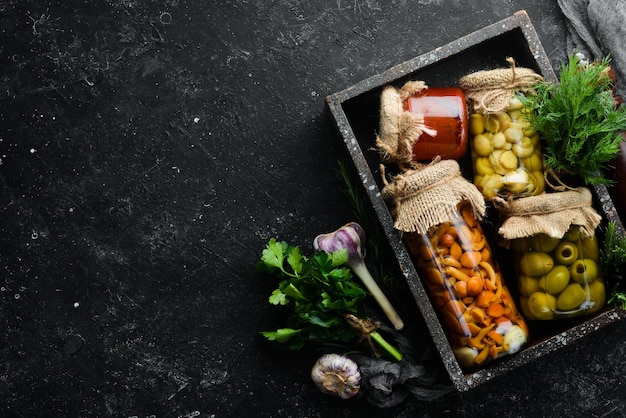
[[445, 115]]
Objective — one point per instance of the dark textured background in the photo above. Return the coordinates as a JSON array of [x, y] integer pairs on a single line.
[[149, 149]]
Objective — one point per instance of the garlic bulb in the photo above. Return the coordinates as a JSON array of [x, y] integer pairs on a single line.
[[336, 375], [351, 237]]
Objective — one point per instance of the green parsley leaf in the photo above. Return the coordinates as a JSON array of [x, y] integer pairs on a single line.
[[294, 293], [272, 255], [295, 260], [278, 298], [320, 291], [339, 258], [281, 335]]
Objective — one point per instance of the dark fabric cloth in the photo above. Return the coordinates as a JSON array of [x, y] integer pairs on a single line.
[[420, 375], [597, 28], [385, 383]]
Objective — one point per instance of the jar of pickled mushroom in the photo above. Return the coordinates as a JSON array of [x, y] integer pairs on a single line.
[[556, 254], [438, 213], [419, 123], [507, 159]]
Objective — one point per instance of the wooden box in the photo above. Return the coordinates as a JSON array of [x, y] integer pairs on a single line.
[[355, 113]]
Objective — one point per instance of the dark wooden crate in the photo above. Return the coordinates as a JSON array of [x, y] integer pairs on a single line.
[[355, 113]]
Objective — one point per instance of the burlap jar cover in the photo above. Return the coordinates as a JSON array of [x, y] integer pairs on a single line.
[[490, 91], [550, 213], [398, 128], [429, 196]]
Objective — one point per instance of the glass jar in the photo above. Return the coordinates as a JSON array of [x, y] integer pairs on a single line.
[[445, 115], [559, 278], [506, 153], [465, 285]]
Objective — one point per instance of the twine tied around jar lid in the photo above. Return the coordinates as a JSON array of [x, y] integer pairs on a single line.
[[549, 213], [429, 196], [491, 90], [398, 128]]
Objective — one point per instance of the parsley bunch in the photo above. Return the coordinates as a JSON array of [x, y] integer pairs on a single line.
[[321, 293], [578, 120]]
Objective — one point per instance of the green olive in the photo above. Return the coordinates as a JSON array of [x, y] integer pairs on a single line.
[[589, 249], [542, 305], [543, 242], [584, 271], [597, 294], [535, 263], [573, 234], [571, 297], [566, 253], [557, 279], [527, 285]]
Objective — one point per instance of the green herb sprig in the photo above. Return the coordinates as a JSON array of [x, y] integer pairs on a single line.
[[321, 293], [354, 193], [613, 256], [578, 120]]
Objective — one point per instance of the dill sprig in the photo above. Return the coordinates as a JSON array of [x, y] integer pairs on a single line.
[[579, 120]]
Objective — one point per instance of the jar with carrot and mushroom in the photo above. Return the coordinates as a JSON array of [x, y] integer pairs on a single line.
[[438, 212]]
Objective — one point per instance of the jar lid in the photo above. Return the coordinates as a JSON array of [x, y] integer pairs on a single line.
[[490, 90], [429, 196], [549, 213], [399, 129]]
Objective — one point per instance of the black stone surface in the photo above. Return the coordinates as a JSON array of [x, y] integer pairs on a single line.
[[149, 149]]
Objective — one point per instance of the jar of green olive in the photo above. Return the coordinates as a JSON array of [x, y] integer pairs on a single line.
[[559, 274]]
